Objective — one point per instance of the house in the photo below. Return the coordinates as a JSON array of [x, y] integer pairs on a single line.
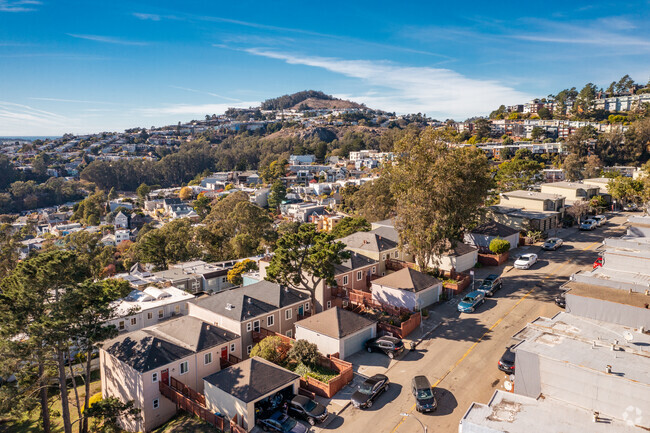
[[213, 278], [336, 331], [147, 307], [532, 200], [122, 235], [249, 308], [354, 272], [302, 159], [524, 220], [573, 191], [248, 387], [459, 258], [121, 221], [374, 246], [482, 235], [132, 365], [407, 288]]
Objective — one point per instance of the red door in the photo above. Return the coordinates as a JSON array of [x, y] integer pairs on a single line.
[[224, 353], [164, 376]]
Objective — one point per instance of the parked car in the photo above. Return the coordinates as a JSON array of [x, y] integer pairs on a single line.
[[391, 346], [588, 224], [472, 300], [598, 263], [490, 284], [507, 361], [631, 207], [425, 399], [305, 408], [560, 300], [279, 422], [369, 390], [526, 261], [552, 244], [600, 220]]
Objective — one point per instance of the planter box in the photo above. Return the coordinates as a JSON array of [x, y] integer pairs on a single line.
[[404, 329], [493, 259], [329, 389], [463, 281]]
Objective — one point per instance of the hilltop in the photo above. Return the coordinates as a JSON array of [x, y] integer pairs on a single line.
[[308, 100]]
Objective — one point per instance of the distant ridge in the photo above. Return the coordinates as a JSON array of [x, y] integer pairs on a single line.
[[308, 100]]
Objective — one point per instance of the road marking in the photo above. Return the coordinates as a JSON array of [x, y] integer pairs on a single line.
[[588, 247]]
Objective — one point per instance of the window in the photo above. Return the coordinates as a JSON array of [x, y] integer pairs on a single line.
[[120, 325], [329, 304], [161, 314], [133, 321], [207, 358], [232, 347], [249, 327], [184, 367], [345, 280], [156, 403], [256, 326], [269, 321], [307, 306], [149, 315], [154, 377], [248, 350], [287, 314], [374, 269], [223, 280], [289, 333], [383, 256], [396, 254], [359, 275]]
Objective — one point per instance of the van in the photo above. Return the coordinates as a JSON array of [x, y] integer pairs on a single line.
[[425, 399]]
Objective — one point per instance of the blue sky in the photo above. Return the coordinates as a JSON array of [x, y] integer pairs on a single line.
[[88, 66]]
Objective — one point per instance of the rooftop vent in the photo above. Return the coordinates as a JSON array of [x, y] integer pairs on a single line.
[[249, 300], [229, 307]]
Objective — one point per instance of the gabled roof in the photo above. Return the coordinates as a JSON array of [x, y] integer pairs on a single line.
[[158, 345], [408, 279], [336, 322], [251, 379], [368, 241], [355, 261], [493, 228], [243, 303]]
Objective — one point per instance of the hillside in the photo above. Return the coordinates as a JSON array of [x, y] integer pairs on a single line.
[[319, 104], [307, 99]]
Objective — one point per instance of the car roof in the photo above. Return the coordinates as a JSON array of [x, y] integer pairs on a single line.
[[389, 338], [376, 378], [421, 382], [300, 399], [474, 294], [492, 277], [526, 255]]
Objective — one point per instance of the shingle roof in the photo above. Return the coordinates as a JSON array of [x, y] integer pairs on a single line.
[[408, 279], [336, 322], [243, 303], [355, 261], [368, 241], [155, 346], [251, 379], [493, 228]]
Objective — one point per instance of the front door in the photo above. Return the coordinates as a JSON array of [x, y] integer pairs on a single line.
[[224, 353], [301, 310], [164, 376]]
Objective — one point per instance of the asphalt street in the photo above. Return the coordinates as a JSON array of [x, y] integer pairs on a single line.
[[460, 356]]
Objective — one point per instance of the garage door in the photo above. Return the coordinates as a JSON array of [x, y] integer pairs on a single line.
[[355, 343], [428, 297]]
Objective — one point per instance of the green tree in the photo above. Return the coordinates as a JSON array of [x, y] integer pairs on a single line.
[[304, 259], [277, 194], [624, 84], [235, 274], [626, 189], [349, 225], [518, 173], [593, 166], [482, 128], [112, 194], [499, 246], [373, 201], [271, 348], [545, 113], [143, 190], [597, 204], [572, 167], [439, 191], [202, 205], [274, 171], [578, 142], [537, 133], [185, 193], [106, 412], [304, 352]]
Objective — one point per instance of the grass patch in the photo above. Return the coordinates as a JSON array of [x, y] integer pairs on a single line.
[[184, 423], [317, 372]]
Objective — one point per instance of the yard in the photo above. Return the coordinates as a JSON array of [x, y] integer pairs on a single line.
[[184, 423]]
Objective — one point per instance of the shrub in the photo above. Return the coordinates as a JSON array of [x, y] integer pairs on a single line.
[[273, 349], [404, 317], [92, 400], [425, 312], [499, 246], [304, 352]]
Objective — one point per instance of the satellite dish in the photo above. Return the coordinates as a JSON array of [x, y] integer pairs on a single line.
[[628, 336]]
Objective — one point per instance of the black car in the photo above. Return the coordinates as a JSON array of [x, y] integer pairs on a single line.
[[369, 390], [560, 300], [507, 361], [391, 346], [305, 408], [490, 284], [281, 423], [425, 400]]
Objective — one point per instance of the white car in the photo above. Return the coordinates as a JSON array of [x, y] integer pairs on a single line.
[[600, 219], [526, 261], [589, 224]]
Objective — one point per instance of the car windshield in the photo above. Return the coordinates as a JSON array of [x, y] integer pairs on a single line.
[[524, 258], [468, 299], [309, 406], [365, 388], [425, 393], [288, 424], [551, 241]]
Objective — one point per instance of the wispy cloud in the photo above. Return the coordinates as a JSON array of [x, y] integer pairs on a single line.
[[406, 89], [76, 101], [192, 109], [145, 17], [18, 5], [23, 119], [216, 95], [107, 39]]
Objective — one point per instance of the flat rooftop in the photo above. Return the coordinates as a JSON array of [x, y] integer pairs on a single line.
[[569, 185], [619, 296], [532, 195], [514, 413], [586, 344], [614, 278]]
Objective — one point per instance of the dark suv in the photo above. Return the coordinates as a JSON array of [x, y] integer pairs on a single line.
[[425, 399], [507, 361], [391, 346], [307, 409], [490, 284]]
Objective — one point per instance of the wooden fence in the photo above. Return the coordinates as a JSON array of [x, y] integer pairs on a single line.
[[334, 385], [189, 405], [405, 327]]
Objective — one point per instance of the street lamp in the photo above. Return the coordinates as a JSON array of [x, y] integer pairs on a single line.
[[410, 414]]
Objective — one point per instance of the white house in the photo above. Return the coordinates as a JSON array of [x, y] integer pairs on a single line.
[[336, 331], [407, 288]]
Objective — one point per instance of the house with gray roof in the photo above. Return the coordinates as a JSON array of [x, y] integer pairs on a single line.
[[249, 308], [374, 246], [186, 349], [407, 288]]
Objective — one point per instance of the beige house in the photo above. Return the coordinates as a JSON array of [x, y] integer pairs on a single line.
[[573, 191], [132, 365], [533, 201], [243, 310], [376, 246]]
